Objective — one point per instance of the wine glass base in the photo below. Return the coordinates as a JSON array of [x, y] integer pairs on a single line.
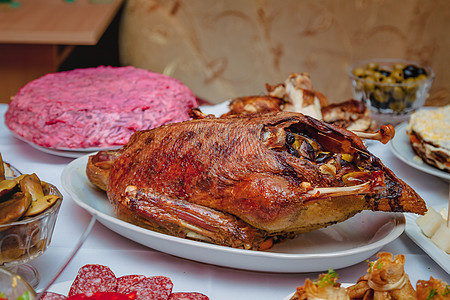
[[27, 272]]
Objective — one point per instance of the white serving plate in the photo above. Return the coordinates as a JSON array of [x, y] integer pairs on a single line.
[[64, 152], [414, 232], [401, 147], [337, 246]]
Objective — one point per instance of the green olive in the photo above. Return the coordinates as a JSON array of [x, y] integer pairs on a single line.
[[397, 106], [369, 86], [398, 93], [378, 76], [397, 75], [359, 72], [372, 66], [388, 80], [359, 86], [380, 96], [399, 66], [368, 73], [421, 77]]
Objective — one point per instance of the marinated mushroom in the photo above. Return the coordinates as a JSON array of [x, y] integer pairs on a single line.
[[23, 196], [14, 208]]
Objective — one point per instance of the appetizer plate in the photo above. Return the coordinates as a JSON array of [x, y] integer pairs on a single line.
[[401, 148], [337, 246], [414, 232]]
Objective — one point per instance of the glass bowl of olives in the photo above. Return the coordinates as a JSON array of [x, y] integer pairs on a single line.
[[28, 211], [391, 88], [13, 286]]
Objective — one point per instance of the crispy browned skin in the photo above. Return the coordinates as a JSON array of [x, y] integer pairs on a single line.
[[99, 166], [254, 104], [433, 288], [351, 114], [236, 181]]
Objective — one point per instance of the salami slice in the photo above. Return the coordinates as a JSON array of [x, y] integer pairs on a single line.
[[149, 288], [93, 278], [126, 281], [188, 296], [53, 296], [103, 296]]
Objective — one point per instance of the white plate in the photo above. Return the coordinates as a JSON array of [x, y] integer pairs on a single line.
[[61, 287], [401, 147], [415, 233], [64, 152], [337, 246], [288, 297]]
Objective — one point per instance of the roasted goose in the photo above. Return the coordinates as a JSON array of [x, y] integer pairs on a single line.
[[247, 181]]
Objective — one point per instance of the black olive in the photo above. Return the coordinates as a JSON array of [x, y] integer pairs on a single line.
[[421, 71], [385, 73], [345, 163], [374, 102], [290, 138], [413, 71], [364, 155], [291, 150], [322, 157]]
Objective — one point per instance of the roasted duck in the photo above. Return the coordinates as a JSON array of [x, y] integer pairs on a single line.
[[246, 181]]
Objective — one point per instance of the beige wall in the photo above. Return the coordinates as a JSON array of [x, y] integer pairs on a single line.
[[223, 49]]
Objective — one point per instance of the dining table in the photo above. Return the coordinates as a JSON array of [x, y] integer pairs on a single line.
[[125, 256]]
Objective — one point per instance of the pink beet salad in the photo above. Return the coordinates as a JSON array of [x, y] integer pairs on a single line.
[[96, 107]]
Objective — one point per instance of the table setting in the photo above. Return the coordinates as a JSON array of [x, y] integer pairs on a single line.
[[216, 271]]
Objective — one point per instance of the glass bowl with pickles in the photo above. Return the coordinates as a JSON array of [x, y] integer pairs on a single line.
[[28, 211], [391, 88]]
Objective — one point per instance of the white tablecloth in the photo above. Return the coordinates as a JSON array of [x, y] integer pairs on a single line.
[[124, 256]]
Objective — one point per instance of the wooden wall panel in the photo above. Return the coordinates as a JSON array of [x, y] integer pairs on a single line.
[[228, 48]]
